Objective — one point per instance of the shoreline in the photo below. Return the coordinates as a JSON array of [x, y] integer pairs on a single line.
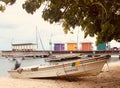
[[108, 78]]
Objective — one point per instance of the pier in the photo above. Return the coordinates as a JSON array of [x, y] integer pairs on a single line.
[[15, 54], [43, 54]]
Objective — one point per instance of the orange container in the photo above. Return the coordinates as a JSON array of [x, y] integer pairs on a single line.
[[72, 46], [86, 46]]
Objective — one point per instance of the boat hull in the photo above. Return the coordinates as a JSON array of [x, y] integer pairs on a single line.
[[79, 68]]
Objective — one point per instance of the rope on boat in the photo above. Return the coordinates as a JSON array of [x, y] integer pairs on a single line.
[[57, 73], [83, 67], [67, 78], [108, 66], [64, 70], [19, 71]]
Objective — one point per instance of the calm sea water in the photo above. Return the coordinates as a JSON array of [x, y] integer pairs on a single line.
[[7, 63]]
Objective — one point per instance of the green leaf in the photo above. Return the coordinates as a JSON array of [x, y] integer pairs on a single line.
[[91, 1]]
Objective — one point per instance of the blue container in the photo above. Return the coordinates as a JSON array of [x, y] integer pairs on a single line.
[[59, 47], [101, 46]]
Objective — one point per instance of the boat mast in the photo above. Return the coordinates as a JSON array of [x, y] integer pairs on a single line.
[[12, 43], [41, 41], [50, 42], [36, 38], [78, 39]]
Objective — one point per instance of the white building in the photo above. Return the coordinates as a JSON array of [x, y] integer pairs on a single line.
[[24, 47]]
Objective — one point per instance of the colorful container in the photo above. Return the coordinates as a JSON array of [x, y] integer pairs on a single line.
[[101, 46], [72, 46], [86, 46], [59, 47]]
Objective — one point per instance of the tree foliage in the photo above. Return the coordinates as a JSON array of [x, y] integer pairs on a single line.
[[96, 17], [3, 3]]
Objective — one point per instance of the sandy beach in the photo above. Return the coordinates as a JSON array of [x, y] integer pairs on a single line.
[[108, 78]]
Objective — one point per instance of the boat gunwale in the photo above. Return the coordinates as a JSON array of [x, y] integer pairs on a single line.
[[58, 66]]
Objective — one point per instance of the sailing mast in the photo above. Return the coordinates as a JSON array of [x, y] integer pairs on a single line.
[[78, 39], [50, 42], [41, 41], [36, 37]]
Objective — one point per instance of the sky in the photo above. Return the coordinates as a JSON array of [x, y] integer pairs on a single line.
[[17, 26]]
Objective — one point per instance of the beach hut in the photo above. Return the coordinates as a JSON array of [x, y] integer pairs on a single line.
[[86, 46], [101, 46], [72, 46], [59, 47]]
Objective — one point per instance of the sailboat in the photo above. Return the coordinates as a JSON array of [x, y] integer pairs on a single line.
[[85, 66]]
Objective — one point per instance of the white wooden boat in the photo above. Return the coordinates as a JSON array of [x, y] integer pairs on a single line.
[[78, 68]]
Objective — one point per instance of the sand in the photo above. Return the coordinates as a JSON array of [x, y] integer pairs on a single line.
[[108, 78]]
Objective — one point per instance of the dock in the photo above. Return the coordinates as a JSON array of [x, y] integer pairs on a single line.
[[43, 54], [16, 54]]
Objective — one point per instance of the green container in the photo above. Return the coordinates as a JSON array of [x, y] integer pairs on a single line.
[[101, 46]]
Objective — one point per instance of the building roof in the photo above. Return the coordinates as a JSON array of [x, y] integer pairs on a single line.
[[87, 42], [19, 44]]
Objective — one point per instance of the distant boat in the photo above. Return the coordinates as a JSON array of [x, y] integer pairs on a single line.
[[60, 57], [89, 66]]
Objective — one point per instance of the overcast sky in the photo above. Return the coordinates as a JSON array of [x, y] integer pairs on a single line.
[[17, 26]]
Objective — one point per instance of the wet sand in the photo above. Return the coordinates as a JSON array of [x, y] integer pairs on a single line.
[[108, 78]]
